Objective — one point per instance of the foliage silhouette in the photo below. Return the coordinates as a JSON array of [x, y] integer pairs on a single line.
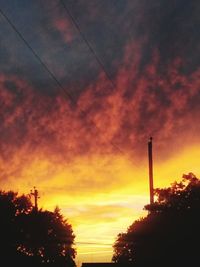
[[33, 238], [170, 234]]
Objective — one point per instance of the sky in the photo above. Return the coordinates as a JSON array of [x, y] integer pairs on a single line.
[[83, 84]]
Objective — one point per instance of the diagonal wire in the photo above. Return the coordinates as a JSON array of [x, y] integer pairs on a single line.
[[93, 243], [50, 72], [76, 24], [36, 55]]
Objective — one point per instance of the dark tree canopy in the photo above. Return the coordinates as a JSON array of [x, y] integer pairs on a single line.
[[170, 234], [33, 238]]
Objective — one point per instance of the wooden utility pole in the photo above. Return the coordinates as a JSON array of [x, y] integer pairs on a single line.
[[35, 194], [150, 155]]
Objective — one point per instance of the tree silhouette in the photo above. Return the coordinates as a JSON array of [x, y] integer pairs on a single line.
[[170, 234], [11, 206], [33, 238]]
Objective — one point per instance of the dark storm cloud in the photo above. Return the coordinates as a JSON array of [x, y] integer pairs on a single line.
[[41, 24], [171, 27], [146, 49]]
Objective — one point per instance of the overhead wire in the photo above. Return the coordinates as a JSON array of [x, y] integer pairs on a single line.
[[36, 54], [92, 50], [93, 243], [53, 76], [89, 45]]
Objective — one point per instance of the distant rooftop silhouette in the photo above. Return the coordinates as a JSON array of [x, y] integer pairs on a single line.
[[98, 264], [104, 264]]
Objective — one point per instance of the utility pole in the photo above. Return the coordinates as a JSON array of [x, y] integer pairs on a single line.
[[35, 194], [150, 155]]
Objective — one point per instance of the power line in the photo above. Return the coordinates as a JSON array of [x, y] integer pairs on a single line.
[[94, 243], [47, 68], [76, 24], [36, 55]]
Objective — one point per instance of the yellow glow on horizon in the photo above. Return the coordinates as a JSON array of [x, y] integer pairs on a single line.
[[101, 195], [188, 160]]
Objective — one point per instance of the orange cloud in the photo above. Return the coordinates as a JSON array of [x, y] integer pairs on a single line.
[[90, 157]]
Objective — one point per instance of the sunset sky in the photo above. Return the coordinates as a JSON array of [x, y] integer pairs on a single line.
[[83, 84]]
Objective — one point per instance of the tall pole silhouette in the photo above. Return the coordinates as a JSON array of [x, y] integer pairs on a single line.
[[150, 155], [35, 194]]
